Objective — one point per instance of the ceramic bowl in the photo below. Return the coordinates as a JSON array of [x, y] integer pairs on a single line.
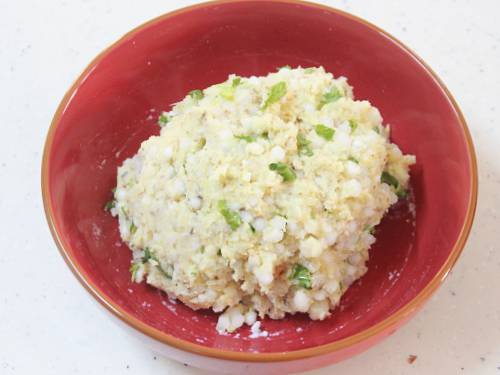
[[113, 106]]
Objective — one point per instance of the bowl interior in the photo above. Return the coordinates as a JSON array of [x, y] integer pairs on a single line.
[[114, 107]]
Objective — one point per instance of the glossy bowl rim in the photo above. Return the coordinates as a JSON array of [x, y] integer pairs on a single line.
[[391, 322]]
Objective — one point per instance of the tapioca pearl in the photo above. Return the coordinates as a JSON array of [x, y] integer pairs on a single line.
[[301, 301]]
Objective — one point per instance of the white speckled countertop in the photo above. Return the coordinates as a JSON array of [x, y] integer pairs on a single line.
[[50, 325]]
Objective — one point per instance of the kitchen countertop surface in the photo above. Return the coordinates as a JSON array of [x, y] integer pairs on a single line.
[[49, 323]]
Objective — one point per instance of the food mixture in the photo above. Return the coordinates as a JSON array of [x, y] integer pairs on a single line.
[[260, 196]]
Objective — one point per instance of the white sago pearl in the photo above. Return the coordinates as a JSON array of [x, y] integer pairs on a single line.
[[264, 275], [247, 177], [351, 188], [250, 317], [319, 310], [254, 148], [277, 153], [310, 247], [246, 216], [301, 301], [195, 202], [352, 168], [259, 224], [120, 194], [168, 152], [331, 286], [178, 188], [169, 171]]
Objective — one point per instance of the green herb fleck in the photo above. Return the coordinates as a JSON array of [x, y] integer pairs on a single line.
[[330, 97], [133, 270], [302, 276], [196, 94], [376, 129], [401, 193], [324, 131], [232, 217], [390, 180], [163, 119], [284, 171], [124, 212], [353, 124], [285, 67], [148, 255], [219, 252], [133, 228], [252, 228], [265, 135], [201, 143], [236, 82], [227, 92], [370, 229], [353, 159], [113, 190], [109, 205], [168, 275], [277, 92], [246, 138], [202, 249], [303, 145], [309, 70]]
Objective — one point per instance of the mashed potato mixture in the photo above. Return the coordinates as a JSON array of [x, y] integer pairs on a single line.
[[260, 195]]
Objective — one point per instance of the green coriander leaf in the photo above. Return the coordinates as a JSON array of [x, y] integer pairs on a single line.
[[376, 129], [401, 193], [277, 92], [324, 131], [303, 145], [284, 171], [302, 276], [265, 135], [227, 92], [246, 138], [370, 229], [196, 94], [122, 209], [331, 96], [353, 124], [389, 179], [251, 227], [232, 217], [236, 82], [147, 255], [353, 159], [201, 143], [163, 119], [133, 228], [168, 275], [219, 252], [133, 270], [109, 205]]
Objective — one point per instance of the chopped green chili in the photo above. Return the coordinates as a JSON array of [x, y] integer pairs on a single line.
[[284, 171], [232, 217]]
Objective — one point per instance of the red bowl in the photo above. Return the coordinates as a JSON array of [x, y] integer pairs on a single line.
[[113, 106]]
